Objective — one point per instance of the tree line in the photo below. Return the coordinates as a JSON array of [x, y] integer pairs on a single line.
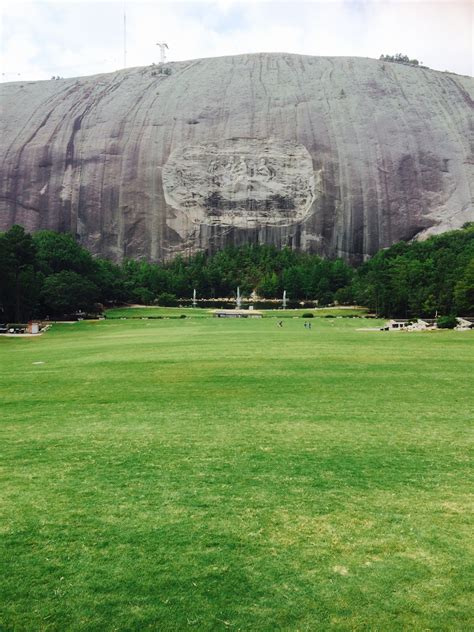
[[50, 274], [399, 58], [420, 278]]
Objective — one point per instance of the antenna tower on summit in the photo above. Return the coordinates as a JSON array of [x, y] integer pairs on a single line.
[[124, 36], [162, 46]]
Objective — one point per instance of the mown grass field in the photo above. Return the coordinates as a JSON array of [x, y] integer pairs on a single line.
[[176, 312], [233, 475]]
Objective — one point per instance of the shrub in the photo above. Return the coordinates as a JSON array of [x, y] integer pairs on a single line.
[[166, 299], [307, 315], [344, 296], [447, 322], [143, 295], [398, 58]]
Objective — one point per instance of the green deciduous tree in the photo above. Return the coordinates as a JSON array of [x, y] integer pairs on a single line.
[[421, 278], [17, 274], [464, 291], [59, 251], [66, 292]]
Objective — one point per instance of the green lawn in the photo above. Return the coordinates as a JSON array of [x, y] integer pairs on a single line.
[[176, 312], [153, 312], [233, 475]]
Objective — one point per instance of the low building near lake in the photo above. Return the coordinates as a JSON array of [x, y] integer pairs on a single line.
[[404, 324], [464, 323], [33, 327], [237, 313], [423, 324], [396, 325]]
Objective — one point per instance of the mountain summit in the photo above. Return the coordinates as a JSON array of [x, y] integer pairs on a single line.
[[335, 155]]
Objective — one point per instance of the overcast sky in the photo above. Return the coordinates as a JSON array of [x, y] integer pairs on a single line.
[[72, 37]]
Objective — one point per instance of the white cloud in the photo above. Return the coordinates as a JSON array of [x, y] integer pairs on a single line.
[[72, 37]]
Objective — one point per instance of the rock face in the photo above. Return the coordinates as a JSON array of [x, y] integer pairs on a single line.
[[240, 182], [340, 156]]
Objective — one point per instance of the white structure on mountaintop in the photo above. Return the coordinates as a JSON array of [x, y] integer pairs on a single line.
[[162, 46]]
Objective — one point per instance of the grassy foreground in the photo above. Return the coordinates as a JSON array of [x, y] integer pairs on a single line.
[[234, 475]]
